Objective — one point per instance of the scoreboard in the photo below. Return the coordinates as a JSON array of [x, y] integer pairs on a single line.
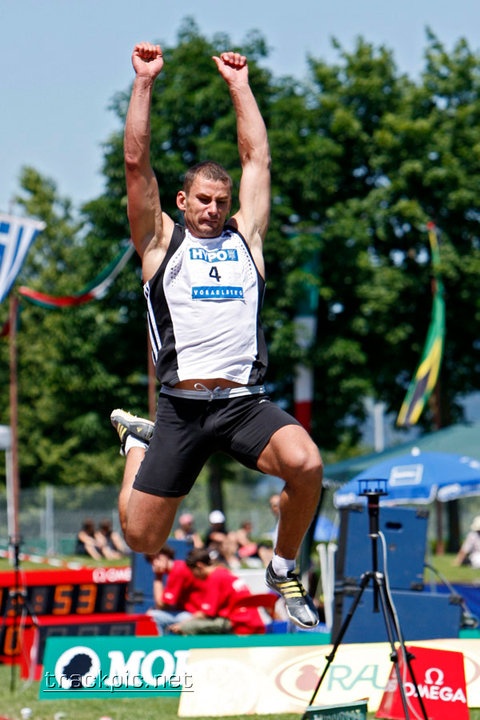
[[87, 601], [65, 592]]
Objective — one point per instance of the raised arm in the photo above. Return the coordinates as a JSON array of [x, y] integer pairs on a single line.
[[254, 212], [149, 227]]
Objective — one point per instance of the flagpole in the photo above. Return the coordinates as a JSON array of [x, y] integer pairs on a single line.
[[425, 386], [13, 483], [435, 409], [14, 474]]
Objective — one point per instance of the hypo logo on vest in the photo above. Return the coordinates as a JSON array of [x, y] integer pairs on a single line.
[[213, 256]]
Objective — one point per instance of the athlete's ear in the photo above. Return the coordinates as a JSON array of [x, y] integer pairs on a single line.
[[181, 198]]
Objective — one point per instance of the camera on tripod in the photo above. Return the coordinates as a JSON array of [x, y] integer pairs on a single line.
[[372, 487]]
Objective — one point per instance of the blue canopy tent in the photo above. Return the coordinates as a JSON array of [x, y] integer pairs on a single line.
[[415, 478]]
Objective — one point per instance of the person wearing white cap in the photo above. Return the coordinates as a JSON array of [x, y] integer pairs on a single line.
[[469, 553], [217, 531], [216, 517], [204, 282]]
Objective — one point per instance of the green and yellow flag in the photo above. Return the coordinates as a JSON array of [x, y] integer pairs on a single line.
[[426, 374]]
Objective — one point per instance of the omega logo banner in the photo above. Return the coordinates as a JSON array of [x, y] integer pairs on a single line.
[[440, 679]]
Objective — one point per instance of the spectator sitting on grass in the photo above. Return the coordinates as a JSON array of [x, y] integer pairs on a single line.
[[109, 542], [86, 543]]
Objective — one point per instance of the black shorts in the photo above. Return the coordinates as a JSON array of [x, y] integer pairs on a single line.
[[187, 432]]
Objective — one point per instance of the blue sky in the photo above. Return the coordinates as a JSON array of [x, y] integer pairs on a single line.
[[63, 60]]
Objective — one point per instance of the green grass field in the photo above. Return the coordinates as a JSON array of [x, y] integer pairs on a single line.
[[22, 695], [26, 695]]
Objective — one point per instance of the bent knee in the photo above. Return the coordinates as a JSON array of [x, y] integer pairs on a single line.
[[306, 460], [148, 521], [292, 454], [142, 542], [304, 468], [137, 544]]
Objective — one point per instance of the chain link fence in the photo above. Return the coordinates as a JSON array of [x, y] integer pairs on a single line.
[[51, 516]]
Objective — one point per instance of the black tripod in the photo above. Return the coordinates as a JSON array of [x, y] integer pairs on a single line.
[[21, 608], [373, 490]]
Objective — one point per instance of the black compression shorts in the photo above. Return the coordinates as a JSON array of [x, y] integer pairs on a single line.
[[188, 431]]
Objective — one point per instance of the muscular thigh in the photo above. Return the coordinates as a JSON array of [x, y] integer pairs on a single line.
[[248, 424], [290, 452]]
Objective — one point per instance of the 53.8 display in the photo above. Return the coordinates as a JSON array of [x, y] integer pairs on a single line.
[[66, 592], [60, 602]]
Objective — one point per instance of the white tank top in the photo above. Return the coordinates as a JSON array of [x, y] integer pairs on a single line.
[[204, 311]]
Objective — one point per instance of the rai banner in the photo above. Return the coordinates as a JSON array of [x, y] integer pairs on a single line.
[[16, 236]]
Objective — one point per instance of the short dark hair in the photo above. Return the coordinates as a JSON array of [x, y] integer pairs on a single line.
[[166, 550], [88, 526], [198, 555], [208, 169]]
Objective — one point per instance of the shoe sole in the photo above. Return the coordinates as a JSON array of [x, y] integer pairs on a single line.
[[298, 623]]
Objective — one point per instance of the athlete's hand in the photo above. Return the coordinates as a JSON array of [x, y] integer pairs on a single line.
[[147, 59], [232, 67]]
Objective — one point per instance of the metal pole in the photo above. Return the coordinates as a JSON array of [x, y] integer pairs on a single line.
[[15, 484], [14, 493], [49, 521]]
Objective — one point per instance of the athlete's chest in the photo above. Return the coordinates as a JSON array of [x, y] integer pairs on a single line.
[[218, 268]]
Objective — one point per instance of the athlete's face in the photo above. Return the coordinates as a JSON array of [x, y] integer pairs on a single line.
[[205, 207]]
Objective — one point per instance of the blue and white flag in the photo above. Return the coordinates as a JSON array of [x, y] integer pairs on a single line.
[[16, 236]]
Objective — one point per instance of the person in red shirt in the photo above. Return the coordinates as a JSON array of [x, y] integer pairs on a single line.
[[219, 611], [177, 592]]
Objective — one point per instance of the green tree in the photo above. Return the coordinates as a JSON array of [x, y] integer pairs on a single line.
[[385, 156], [362, 157]]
